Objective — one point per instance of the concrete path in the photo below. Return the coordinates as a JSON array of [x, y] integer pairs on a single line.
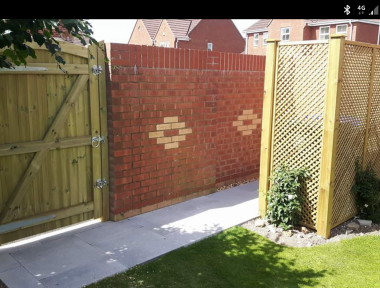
[[88, 254]]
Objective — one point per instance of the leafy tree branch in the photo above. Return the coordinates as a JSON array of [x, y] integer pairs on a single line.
[[15, 34]]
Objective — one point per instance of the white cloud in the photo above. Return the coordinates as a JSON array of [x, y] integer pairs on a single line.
[[119, 31]]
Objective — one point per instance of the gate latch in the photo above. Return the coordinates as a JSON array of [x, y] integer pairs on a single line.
[[101, 183], [97, 140], [96, 70]]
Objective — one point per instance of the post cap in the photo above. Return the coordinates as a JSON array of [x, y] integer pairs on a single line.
[[335, 36], [272, 40]]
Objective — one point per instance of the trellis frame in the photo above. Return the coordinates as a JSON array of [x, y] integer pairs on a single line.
[[332, 118]]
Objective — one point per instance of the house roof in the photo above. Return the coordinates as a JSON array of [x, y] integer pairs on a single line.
[[317, 22], [180, 27], [152, 26], [262, 24]]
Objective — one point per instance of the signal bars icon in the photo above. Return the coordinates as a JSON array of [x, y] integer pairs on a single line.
[[375, 11]]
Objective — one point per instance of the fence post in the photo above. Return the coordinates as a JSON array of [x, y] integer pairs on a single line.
[[267, 118], [368, 123], [330, 133]]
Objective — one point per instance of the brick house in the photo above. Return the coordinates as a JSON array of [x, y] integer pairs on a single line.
[[362, 30], [202, 34]]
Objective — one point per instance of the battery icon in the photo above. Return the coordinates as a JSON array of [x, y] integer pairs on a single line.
[[375, 11]]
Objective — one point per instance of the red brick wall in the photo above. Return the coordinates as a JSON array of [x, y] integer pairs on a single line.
[[215, 100], [367, 33], [261, 49], [222, 33]]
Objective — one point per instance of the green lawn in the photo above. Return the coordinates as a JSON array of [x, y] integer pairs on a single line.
[[240, 258]]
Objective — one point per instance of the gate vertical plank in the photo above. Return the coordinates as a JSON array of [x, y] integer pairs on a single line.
[[95, 131], [103, 129], [3, 130], [330, 133], [33, 97], [266, 136], [28, 176], [65, 154], [12, 164]]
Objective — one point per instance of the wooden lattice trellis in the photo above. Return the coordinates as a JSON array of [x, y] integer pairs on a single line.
[[322, 111]]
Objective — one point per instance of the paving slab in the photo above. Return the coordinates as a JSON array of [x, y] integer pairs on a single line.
[[57, 256], [7, 262], [232, 207], [84, 274], [20, 278], [107, 231], [72, 232], [15, 246], [159, 220], [237, 195], [135, 248]]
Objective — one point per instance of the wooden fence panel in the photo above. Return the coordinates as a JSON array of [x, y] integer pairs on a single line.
[[356, 86], [298, 114]]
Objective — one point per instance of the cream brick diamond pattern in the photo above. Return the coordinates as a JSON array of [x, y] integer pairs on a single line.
[[247, 122], [170, 123]]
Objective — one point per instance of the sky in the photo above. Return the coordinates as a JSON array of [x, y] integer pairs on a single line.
[[118, 31]]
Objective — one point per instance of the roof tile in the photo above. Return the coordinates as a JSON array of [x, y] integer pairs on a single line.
[[152, 26], [259, 25]]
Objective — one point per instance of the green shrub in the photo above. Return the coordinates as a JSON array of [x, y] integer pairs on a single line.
[[284, 198], [367, 192]]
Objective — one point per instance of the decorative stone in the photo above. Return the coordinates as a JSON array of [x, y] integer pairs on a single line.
[[353, 225], [259, 223], [363, 222], [271, 229], [305, 230], [288, 233], [279, 230]]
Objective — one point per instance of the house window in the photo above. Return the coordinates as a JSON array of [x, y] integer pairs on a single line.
[[256, 39], [324, 33], [209, 46], [164, 44], [265, 37], [341, 29], [285, 34]]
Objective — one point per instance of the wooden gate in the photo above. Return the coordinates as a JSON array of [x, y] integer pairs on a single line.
[[52, 157]]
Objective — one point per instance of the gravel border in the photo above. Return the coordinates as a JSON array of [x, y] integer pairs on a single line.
[[306, 237], [236, 184]]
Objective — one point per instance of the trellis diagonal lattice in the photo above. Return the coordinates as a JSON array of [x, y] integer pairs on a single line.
[[321, 110]]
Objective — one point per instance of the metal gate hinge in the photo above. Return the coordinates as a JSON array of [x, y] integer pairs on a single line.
[[96, 70], [95, 142], [101, 183]]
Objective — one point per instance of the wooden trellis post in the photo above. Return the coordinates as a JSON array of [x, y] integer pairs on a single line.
[[330, 133], [266, 135]]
